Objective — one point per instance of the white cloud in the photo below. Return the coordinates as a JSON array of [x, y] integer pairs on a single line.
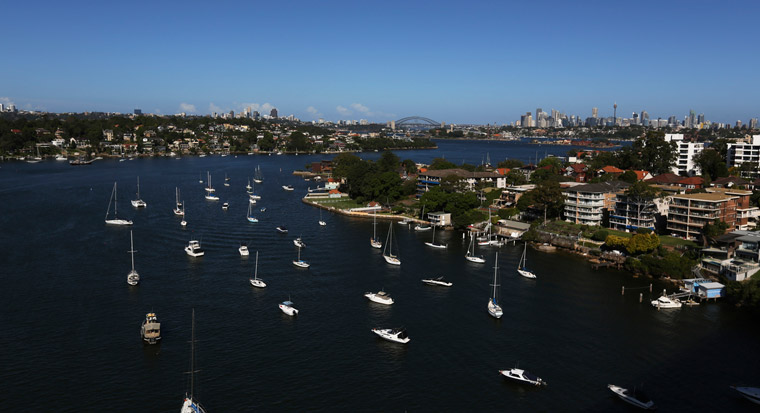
[[6, 100], [343, 110], [262, 108], [187, 107], [314, 112], [361, 108], [213, 108]]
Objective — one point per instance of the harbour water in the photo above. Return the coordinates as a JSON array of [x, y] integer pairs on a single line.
[[71, 339]]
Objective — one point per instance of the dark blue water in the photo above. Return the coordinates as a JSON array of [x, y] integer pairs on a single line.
[[70, 338]]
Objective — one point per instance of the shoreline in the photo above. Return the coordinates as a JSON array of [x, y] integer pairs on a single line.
[[362, 215]]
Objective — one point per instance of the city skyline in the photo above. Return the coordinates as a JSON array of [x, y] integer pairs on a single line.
[[481, 64]]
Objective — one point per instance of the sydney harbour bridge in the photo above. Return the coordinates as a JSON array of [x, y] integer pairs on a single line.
[[415, 122]]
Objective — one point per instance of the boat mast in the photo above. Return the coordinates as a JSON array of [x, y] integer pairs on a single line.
[[132, 249], [495, 272], [115, 201], [256, 270], [192, 355]]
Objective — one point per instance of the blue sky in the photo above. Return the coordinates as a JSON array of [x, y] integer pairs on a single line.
[[458, 62]]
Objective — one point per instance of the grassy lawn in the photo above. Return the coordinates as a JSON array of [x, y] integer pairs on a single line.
[[567, 228], [673, 241], [342, 203]]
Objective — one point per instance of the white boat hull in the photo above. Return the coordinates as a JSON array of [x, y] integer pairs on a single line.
[[375, 243], [139, 203], [379, 299], [438, 282], [252, 219], [322, 223], [257, 283], [526, 273], [494, 309], [133, 278], [475, 259], [520, 375], [432, 245], [622, 394], [301, 264], [288, 310], [243, 252], [118, 222], [212, 197], [750, 393], [392, 260], [388, 335]]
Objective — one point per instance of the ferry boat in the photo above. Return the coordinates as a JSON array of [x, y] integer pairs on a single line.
[[437, 281], [397, 335], [635, 397], [193, 249], [522, 376], [380, 297], [151, 329]]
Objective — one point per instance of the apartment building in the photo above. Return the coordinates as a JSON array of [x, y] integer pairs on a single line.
[[688, 213], [686, 152], [586, 204], [741, 152]]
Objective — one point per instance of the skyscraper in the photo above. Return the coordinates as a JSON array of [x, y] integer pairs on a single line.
[[273, 113], [752, 123], [594, 113]]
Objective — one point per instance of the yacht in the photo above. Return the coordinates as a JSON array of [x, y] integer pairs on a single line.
[[493, 305], [178, 209], [282, 230], [299, 262], [183, 222], [115, 220], [522, 267], [433, 244], [193, 249], [397, 335], [470, 256], [256, 281], [405, 221], [523, 376], [388, 255], [635, 397], [437, 281], [665, 302], [133, 278], [191, 405], [211, 197], [374, 241], [287, 308], [288, 187], [380, 297], [298, 242], [243, 250], [250, 217], [60, 157], [151, 329], [138, 203], [750, 393]]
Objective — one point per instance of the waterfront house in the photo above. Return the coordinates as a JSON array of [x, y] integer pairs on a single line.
[[704, 287], [588, 204], [441, 219], [431, 178], [511, 195]]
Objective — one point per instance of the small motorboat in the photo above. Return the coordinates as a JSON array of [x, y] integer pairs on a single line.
[[288, 187], [225, 206], [151, 329], [193, 249], [423, 227], [635, 397], [666, 302], [263, 209], [380, 297], [397, 335], [298, 242], [750, 393], [523, 376], [243, 249], [437, 281], [282, 230], [287, 308]]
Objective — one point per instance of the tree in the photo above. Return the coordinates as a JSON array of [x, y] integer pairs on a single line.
[[553, 163], [650, 153], [628, 176], [711, 164], [510, 163], [549, 197], [388, 162], [715, 229], [441, 163], [410, 166], [515, 177], [641, 243], [343, 162]]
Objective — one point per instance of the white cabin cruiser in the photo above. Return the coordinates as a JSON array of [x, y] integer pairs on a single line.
[[380, 297], [635, 397], [523, 376], [288, 187], [243, 250], [666, 302], [287, 308], [298, 242], [193, 249], [397, 335], [437, 281]]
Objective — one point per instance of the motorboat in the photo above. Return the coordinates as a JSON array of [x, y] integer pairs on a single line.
[[493, 305], [151, 329], [225, 206], [666, 302], [251, 201], [420, 227], [437, 281], [298, 242], [263, 209], [256, 281], [397, 335], [115, 220], [288, 187], [522, 268], [522, 376], [635, 397], [243, 250], [405, 221], [193, 249], [60, 157], [750, 393], [138, 203], [299, 262], [287, 308], [133, 278], [380, 297], [282, 230]]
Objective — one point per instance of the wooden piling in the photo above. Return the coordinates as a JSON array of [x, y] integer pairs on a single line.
[[641, 297], [623, 292]]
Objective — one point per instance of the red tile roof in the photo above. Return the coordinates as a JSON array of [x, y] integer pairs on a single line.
[[609, 169]]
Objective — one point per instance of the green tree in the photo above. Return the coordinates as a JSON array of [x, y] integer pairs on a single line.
[[343, 162], [388, 162], [628, 176], [641, 243], [441, 163], [410, 166], [515, 177], [711, 163], [510, 163], [548, 196]]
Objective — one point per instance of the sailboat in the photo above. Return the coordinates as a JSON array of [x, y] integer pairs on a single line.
[[183, 222], [200, 178], [299, 262], [256, 281], [133, 278], [257, 176], [138, 203], [252, 195], [470, 256], [521, 267], [179, 209], [493, 305], [248, 187], [226, 180], [321, 222], [210, 190], [432, 242], [115, 220], [191, 405], [388, 250], [251, 218], [374, 241], [420, 227]]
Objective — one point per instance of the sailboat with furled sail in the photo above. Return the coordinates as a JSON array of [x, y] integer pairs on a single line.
[[493, 304], [390, 258], [374, 241], [191, 404], [115, 220], [522, 268], [470, 256], [133, 278], [179, 210], [138, 203]]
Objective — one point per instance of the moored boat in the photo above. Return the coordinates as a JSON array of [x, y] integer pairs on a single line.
[[397, 335], [380, 297], [193, 249], [666, 302], [437, 281], [635, 397], [522, 376], [287, 308], [151, 329], [750, 393]]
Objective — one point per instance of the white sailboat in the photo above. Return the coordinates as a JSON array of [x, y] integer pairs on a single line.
[[183, 222], [299, 262], [256, 281], [390, 258], [251, 218], [493, 305], [115, 220], [210, 190], [226, 180], [133, 278], [258, 177], [252, 195], [374, 241], [200, 178], [470, 256], [191, 405], [433, 244], [321, 222], [522, 269], [138, 203], [248, 187], [179, 209]]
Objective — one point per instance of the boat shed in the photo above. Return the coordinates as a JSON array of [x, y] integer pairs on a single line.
[[441, 219], [711, 290]]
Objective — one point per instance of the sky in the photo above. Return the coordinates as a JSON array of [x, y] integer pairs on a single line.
[[452, 61]]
